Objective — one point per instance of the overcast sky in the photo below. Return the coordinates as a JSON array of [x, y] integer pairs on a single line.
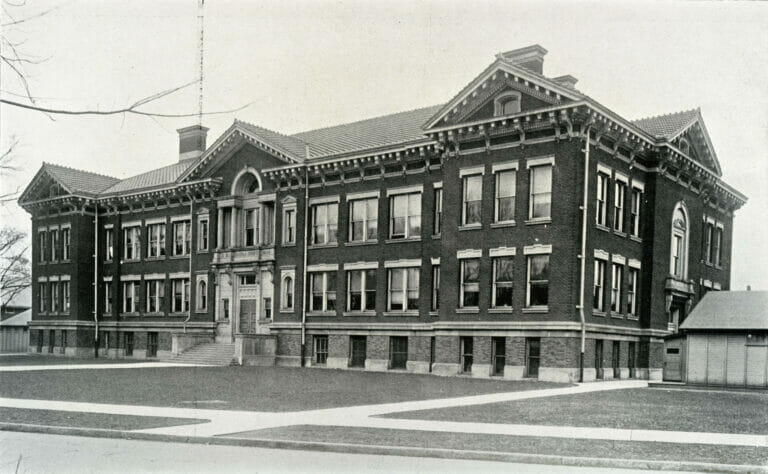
[[306, 65]]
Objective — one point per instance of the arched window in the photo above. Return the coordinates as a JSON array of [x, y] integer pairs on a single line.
[[202, 296], [287, 299], [678, 264], [685, 147], [246, 182], [507, 104]]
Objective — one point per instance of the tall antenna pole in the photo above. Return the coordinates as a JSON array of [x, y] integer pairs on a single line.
[[201, 20]]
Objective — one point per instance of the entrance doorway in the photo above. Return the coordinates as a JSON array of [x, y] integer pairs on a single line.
[[673, 359]]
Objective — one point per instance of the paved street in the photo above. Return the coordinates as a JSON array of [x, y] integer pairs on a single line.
[[54, 453]]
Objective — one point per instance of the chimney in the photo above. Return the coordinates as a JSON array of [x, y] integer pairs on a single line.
[[530, 57], [191, 141], [749, 287], [566, 81]]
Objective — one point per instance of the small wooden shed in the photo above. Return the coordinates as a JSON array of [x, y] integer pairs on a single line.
[[727, 340], [14, 332]]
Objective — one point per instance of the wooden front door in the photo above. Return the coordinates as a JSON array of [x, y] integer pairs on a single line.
[[673, 360], [357, 349]]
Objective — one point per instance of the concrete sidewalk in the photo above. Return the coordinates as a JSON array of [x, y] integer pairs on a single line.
[[132, 365]]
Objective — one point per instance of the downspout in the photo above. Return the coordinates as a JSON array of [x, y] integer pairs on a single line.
[[304, 268], [583, 257], [95, 282], [191, 245]]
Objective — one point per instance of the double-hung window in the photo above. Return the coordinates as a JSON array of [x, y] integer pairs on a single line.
[[438, 218], [131, 296], [506, 188], [325, 218], [55, 297], [42, 240], [363, 219], [182, 235], [538, 281], [202, 235], [709, 231], [435, 287], [65, 296], [289, 225], [361, 290], [405, 216], [620, 190], [598, 297], [42, 290], [109, 244], [403, 284], [470, 282], [108, 295], [632, 287], [132, 243], [155, 295], [65, 243], [601, 208], [634, 221], [617, 270], [202, 294], [156, 240], [54, 245], [322, 297], [471, 211], [180, 302], [503, 273], [540, 199], [251, 232], [286, 299], [717, 249]]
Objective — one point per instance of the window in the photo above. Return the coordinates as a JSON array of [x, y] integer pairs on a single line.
[[324, 223], [225, 308], [598, 298], [361, 290], [541, 192], [55, 296], [532, 356], [65, 244], [130, 296], [438, 224], [617, 271], [155, 295], [405, 216], [267, 305], [435, 287], [470, 282], [128, 342], [679, 251], [632, 291], [132, 243], [363, 218], [466, 347], [202, 235], [289, 225], [538, 280], [156, 240], [709, 231], [634, 222], [472, 199], [323, 291], [398, 352], [108, 295], [602, 198], [248, 279], [286, 301], [43, 247], [506, 188], [498, 355], [202, 295], [357, 351], [42, 290], [65, 296], [109, 241], [54, 245], [403, 289], [151, 344], [251, 235], [51, 340], [182, 237], [321, 349], [620, 190], [718, 247], [503, 269], [63, 349], [268, 231], [506, 104], [180, 295]]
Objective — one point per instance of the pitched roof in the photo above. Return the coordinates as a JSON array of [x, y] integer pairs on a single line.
[[377, 132], [729, 310], [668, 125], [291, 145], [158, 177], [79, 181], [20, 319]]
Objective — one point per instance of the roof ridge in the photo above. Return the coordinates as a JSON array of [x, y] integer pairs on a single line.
[[46, 164], [364, 120], [267, 129], [669, 114]]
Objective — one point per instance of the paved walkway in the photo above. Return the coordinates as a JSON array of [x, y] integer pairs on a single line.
[[228, 422], [132, 365]]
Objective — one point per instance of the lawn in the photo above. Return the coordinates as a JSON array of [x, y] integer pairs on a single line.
[[644, 408], [89, 420], [517, 444], [245, 388], [45, 359]]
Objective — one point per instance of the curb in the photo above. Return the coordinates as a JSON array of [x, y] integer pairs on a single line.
[[471, 455]]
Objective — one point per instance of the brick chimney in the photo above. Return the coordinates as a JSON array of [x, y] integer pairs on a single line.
[[566, 81], [530, 57], [191, 141]]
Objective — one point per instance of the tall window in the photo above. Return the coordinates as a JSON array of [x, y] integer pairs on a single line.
[[42, 240], [361, 290], [65, 244], [42, 291], [363, 219], [602, 198], [109, 241], [438, 221], [55, 296], [65, 296], [403, 289], [130, 296], [202, 235], [132, 243], [503, 272], [202, 295], [598, 295], [506, 188], [182, 235], [472, 199], [632, 291], [435, 287], [541, 192], [286, 301], [251, 237], [180, 295], [709, 231], [405, 216], [289, 225], [155, 295], [538, 280], [54, 245], [323, 291], [321, 349], [679, 251], [617, 272], [618, 205], [470, 283], [156, 240], [718, 247], [324, 223], [634, 222], [108, 295]]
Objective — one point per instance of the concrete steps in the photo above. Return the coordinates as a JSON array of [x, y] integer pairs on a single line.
[[207, 354]]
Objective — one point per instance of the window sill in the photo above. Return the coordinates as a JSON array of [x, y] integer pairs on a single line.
[[602, 227], [286, 311], [130, 260], [130, 314], [467, 310], [201, 311], [323, 246], [596, 312], [179, 257], [321, 313], [202, 251], [109, 261], [66, 261], [397, 241], [154, 313], [617, 315], [359, 243], [718, 267], [501, 309], [433, 313], [437, 236], [636, 238], [536, 309], [471, 227], [154, 259], [179, 313], [42, 263], [413, 312], [359, 313], [631, 317], [619, 233], [539, 221], [289, 244], [496, 225]]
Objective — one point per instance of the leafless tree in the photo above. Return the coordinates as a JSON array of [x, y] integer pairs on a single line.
[[15, 274]]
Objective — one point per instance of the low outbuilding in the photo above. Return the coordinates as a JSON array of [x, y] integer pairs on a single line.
[[14, 332]]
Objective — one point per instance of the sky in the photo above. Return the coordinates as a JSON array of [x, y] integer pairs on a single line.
[[304, 65]]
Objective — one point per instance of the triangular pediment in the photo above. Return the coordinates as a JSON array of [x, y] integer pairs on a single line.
[[43, 186], [694, 142]]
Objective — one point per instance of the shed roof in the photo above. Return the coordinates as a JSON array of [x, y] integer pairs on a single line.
[[729, 310], [20, 319]]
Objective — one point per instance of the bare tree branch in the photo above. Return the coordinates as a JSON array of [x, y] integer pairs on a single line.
[[15, 272]]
